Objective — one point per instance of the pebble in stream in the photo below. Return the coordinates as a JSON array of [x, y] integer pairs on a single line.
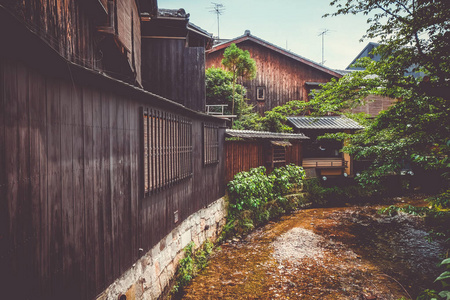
[[329, 253]]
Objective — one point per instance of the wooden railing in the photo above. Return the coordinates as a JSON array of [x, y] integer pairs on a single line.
[[325, 162]]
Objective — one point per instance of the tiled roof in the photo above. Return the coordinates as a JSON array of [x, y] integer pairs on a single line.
[[173, 13], [265, 135], [338, 122]]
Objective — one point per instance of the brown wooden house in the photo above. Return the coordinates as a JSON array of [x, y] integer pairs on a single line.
[[282, 76], [94, 170]]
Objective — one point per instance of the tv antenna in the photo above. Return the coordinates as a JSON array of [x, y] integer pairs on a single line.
[[217, 9], [323, 33]]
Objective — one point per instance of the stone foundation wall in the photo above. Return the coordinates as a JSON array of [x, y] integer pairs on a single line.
[[152, 273]]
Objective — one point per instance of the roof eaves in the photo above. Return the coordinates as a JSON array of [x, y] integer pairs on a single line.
[[334, 123], [277, 49], [265, 135]]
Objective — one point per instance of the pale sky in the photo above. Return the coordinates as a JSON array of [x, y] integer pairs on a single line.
[[296, 23]]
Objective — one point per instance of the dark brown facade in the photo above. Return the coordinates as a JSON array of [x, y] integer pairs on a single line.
[[101, 35], [282, 76], [173, 55], [245, 155], [74, 210]]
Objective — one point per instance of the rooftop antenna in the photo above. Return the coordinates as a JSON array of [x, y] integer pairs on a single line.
[[323, 33], [217, 9]]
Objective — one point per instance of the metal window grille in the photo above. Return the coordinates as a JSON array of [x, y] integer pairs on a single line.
[[210, 143], [166, 149]]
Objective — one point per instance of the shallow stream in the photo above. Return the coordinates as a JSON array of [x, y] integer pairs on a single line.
[[325, 253]]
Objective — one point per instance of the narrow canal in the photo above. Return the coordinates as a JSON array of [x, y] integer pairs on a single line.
[[325, 253]]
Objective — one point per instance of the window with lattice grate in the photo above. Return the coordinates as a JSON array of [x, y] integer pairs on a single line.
[[210, 143], [166, 149], [279, 154]]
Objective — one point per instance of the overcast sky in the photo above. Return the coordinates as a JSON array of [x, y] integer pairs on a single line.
[[295, 23]]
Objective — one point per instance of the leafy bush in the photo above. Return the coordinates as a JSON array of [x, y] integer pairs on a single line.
[[250, 189], [255, 198], [287, 178]]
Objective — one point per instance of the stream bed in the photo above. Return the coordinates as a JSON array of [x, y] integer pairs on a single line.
[[325, 253]]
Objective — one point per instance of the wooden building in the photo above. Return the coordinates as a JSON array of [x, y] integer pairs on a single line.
[[251, 149], [94, 170], [173, 52], [282, 76], [325, 156]]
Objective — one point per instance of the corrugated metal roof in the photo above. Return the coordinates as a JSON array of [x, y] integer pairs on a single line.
[[335, 122], [251, 134]]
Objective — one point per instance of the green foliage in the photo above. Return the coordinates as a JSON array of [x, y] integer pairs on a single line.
[[250, 190], [414, 36], [219, 90], [255, 197], [286, 178], [240, 65], [344, 191], [273, 120], [441, 201], [193, 262], [444, 279]]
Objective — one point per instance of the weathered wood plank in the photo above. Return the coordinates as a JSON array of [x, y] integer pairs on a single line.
[[55, 231], [78, 182], [89, 208], [107, 186], [98, 201], [67, 190]]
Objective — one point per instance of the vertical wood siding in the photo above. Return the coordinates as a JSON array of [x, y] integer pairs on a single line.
[[244, 155], [70, 27], [283, 77], [172, 70], [73, 213]]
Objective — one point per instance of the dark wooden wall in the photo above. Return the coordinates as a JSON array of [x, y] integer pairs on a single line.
[[71, 28], [244, 155], [72, 213], [283, 77], [175, 71]]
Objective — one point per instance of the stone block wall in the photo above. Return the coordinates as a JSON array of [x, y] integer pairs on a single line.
[[153, 272]]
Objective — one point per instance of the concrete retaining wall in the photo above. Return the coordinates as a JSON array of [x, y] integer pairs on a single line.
[[152, 273]]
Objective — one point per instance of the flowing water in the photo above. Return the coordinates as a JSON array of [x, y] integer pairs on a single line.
[[325, 253]]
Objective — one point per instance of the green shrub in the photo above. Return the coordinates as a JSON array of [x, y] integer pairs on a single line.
[[255, 198], [249, 190]]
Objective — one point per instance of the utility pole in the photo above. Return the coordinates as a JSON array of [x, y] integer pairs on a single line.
[[323, 49], [217, 9]]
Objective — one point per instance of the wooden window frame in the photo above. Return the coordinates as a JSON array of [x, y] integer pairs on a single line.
[[166, 149], [210, 143], [263, 89]]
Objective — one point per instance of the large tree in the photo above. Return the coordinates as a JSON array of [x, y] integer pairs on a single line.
[[415, 131], [240, 64]]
